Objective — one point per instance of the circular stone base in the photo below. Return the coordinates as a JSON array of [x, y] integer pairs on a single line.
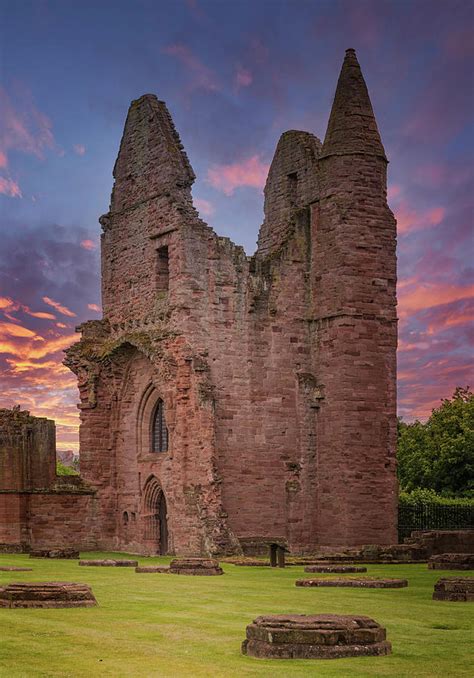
[[47, 594], [195, 566], [334, 568], [456, 589], [109, 563], [452, 561], [324, 636], [356, 583], [161, 569]]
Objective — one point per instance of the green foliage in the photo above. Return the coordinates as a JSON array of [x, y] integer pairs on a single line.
[[439, 455], [421, 496], [63, 470]]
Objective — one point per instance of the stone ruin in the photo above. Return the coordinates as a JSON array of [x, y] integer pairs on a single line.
[[454, 589], [363, 583], [47, 594], [195, 566], [229, 401], [452, 561], [109, 562], [334, 568], [66, 553], [324, 636], [8, 568]]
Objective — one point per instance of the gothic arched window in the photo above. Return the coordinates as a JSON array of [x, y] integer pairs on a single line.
[[159, 432]]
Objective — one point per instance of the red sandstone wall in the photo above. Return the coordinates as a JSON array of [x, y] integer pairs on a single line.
[[62, 519]]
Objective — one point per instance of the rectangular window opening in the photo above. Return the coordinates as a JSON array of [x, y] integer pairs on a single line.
[[162, 269]]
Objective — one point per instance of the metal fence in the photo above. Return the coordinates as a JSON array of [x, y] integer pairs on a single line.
[[433, 517]]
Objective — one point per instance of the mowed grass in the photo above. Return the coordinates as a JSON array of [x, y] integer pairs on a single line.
[[170, 626]]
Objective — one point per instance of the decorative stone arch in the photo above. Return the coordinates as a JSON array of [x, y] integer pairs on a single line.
[[155, 517]]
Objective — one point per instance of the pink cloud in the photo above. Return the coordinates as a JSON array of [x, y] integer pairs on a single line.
[[205, 207], [88, 244], [226, 178], [203, 77], [23, 127], [79, 149], [94, 307], [410, 219], [243, 77], [417, 296], [59, 307], [3, 160], [10, 188]]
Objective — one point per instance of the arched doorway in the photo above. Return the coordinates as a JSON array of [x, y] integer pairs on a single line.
[[155, 517]]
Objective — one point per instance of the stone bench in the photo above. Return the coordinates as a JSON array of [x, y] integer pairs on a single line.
[[452, 561], [324, 636], [454, 589], [366, 583], [109, 563], [46, 594], [334, 568]]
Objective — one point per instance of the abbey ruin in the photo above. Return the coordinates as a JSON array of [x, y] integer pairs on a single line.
[[229, 401]]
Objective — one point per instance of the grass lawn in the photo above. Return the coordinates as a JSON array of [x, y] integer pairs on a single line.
[[170, 626]]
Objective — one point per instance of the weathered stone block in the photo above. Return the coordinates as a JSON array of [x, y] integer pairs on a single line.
[[195, 566], [452, 561], [366, 583], [16, 569], [159, 569], [47, 594], [334, 568], [69, 553], [454, 589], [109, 563], [314, 637]]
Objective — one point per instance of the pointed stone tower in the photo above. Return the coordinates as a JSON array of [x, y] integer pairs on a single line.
[[355, 326]]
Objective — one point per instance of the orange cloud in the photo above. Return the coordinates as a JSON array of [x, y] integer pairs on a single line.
[[88, 244], [11, 330], [10, 188], [251, 172], [59, 307], [94, 307]]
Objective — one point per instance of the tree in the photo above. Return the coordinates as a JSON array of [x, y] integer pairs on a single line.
[[439, 455]]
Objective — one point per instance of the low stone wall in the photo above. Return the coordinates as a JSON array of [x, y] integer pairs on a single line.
[[47, 594], [452, 561], [366, 583], [443, 541]]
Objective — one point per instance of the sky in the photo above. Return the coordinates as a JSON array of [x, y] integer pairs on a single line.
[[235, 74]]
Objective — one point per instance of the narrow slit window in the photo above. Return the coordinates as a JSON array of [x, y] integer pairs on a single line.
[[293, 187], [162, 269], [159, 434]]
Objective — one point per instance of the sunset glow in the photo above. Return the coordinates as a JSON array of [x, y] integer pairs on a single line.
[[234, 76]]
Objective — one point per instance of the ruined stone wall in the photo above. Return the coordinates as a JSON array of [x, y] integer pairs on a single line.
[[27, 450], [277, 372]]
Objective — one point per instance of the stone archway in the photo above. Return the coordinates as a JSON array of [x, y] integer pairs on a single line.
[[155, 517]]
